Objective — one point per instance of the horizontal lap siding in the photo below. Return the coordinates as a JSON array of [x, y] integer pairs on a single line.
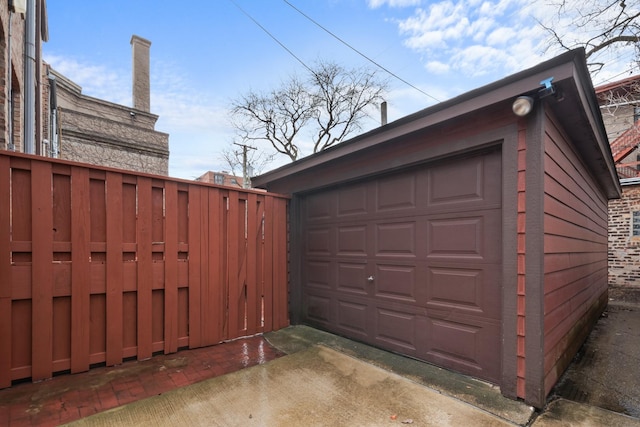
[[99, 265], [575, 248]]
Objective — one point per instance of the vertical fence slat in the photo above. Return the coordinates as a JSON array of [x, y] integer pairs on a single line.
[[233, 263], [171, 268], [42, 271], [268, 264], [259, 271], [208, 266], [195, 280], [253, 243], [281, 318], [80, 270], [115, 270], [5, 272], [215, 324], [145, 269]]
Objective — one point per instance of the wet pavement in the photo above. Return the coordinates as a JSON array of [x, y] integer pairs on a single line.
[[66, 397], [600, 387], [606, 371]]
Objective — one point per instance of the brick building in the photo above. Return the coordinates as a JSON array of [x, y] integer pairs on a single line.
[[43, 112], [21, 88], [620, 107], [94, 131], [221, 178]]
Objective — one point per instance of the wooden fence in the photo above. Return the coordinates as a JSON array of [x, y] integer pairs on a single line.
[[98, 265]]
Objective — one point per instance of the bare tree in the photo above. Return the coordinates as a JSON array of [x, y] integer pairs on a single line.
[[254, 163], [597, 25], [330, 105]]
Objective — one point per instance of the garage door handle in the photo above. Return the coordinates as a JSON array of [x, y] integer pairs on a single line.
[[370, 278]]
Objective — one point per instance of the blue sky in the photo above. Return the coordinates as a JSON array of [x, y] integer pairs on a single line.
[[205, 53]]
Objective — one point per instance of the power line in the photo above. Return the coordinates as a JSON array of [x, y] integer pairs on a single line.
[[272, 36], [360, 53]]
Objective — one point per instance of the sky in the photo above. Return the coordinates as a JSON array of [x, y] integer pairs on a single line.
[[207, 53]]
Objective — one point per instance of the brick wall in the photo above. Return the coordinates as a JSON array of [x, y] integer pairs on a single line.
[[103, 133], [624, 250], [11, 68]]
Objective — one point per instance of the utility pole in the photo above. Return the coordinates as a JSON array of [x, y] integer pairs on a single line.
[[245, 176]]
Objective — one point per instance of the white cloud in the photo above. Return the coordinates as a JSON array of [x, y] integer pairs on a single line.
[[474, 37], [96, 80], [437, 67], [501, 36], [374, 4]]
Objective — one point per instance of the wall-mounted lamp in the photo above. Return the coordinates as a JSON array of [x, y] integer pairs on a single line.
[[524, 103], [522, 106]]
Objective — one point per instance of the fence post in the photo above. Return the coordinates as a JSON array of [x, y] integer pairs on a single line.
[[115, 269], [145, 269], [195, 264], [5, 272], [80, 269], [171, 268], [41, 271]]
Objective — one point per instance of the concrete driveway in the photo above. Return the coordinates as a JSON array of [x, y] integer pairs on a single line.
[[328, 380]]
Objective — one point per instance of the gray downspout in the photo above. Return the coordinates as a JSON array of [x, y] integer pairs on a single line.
[[29, 78], [53, 126]]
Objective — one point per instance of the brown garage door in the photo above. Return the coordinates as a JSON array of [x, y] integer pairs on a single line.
[[411, 262]]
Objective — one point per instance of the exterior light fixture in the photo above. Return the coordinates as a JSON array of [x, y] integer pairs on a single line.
[[524, 103], [522, 106]]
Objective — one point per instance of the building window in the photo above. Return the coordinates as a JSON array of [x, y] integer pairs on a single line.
[[218, 178], [635, 225], [636, 114]]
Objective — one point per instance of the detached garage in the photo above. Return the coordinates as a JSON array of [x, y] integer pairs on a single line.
[[463, 235]]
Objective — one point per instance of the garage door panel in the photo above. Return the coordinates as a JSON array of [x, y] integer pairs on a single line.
[[396, 239], [472, 290], [353, 316], [396, 194], [318, 274], [352, 277], [465, 238], [352, 240], [466, 182], [319, 241], [396, 282], [319, 206], [352, 201], [464, 345], [396, 329], [319, 308]]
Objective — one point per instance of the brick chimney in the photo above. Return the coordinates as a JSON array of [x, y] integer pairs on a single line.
[[141, 84]]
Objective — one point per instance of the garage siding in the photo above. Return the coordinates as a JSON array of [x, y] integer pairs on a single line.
[[411, 262], [575, 248]]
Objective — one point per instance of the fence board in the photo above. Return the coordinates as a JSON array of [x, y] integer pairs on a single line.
[[115, 269], [267, 277], [195, 265], [41, 272], [81, 270], [145, 269], [215, 320], [171, 269], [233, 263], [281, 316], [259, 271], [253, 313], [5, 272], [98, 265]]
